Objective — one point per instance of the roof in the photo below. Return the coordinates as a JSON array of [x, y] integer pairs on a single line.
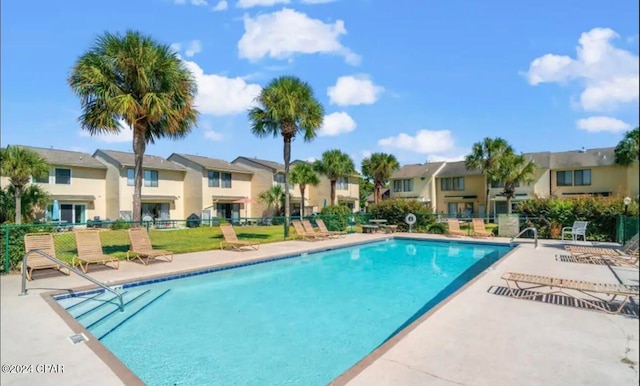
[[213, 163], [384, 193], [66, 157], [417, 170], [583, 158], [149, 161], [274, 166], [457, 169], [542, 159]]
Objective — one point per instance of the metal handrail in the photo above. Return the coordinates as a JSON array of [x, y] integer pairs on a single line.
[[70, 268], [535, 236]]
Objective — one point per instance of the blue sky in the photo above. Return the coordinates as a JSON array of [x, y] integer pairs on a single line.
[[423, 82]]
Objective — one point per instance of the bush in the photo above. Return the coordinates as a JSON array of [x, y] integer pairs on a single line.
[[16, 242], [394, 211], [119, 224], [335, 217], [437, 228], [551, 214]]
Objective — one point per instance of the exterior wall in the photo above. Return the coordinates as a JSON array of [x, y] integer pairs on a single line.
[[423, 189], [193, 199], [603, 179], [240, 187], [633, 179], [112, 179], [542, 186], [318, 194], [262, 180], [538, 187], [170, 183], [473, 186]]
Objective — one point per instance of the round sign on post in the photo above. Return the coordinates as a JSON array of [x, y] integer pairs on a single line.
[[410, 219]]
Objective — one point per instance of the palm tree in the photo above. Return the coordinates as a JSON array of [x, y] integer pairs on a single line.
[[485, 155], [303, 175], [379, 168], [627, 149], [272, 198], [134, 79], [32, 199], [334, 164], [513, 169], [287, 107], [20, 165]]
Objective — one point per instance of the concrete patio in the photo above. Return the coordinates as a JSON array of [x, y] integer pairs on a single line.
[[476, 337]]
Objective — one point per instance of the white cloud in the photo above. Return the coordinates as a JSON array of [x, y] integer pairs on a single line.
[[354, 90], [213, 135], [193, 48], [282, 34], [221, 6], [424, 142], [192, 2], [446, 158], [259, 3], [335, 124], [219, 95], [317, 1], [602, 124], [125, 134], [609, 75]]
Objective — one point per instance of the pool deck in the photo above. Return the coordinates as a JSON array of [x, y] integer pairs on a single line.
[[475, 337]]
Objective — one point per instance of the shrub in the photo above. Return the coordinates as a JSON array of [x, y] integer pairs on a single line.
[[394, 211], [335, 217], [119, 224], [549, 215], [16, 242], [437, 228]]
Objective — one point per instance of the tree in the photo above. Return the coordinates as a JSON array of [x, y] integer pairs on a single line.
[[272, 198], [334, 164], [627, 150], [485, 155], [287, 107], [33, 198], [378, 168], [20, 164], [365, 189], [513, 169], [134, 81], [303, 175]]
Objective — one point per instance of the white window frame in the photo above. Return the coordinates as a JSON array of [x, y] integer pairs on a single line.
[[55, 180]]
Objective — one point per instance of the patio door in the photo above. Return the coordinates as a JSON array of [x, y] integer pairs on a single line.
[[71, 213], [452, 209]]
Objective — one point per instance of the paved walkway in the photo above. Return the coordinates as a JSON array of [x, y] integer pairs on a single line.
[[477, 338]]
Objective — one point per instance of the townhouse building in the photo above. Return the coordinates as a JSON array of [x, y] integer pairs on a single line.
[[416, 181], [347, 192]]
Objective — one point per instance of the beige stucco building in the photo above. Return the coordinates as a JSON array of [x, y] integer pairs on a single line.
[[416, 181]]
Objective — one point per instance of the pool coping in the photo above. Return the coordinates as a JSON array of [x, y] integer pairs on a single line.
[[128, 377]]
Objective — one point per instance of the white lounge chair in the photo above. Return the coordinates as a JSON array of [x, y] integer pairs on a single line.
[[579, 228]]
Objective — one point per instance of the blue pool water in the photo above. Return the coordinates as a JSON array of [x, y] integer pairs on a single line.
[[298, 321]]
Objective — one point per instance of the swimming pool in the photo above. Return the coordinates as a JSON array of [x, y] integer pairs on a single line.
[[297, 321]]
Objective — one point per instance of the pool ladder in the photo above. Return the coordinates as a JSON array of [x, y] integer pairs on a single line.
[[535, 236]]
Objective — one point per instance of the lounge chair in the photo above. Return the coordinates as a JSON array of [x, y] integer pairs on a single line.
[[141, 247], [297, 225], [562, 286], [89, 249], [579, 228], [308, 227], [230, 238], [627, 255], [454, 227], [323, 228], [43, 242], [479, 228]]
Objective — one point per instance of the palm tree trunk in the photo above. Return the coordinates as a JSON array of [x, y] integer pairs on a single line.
[[333, 191], [18, 194], [376, 196], [139, 147], [508, 204], [287, 159], [302, 205], [487, 200]]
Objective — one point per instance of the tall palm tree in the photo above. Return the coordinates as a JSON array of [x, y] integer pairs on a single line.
[[334, 164], [32, 199], [19, 164], [379, 167], [303, 175], [133, 78], [272, 198], [485, 155], [627, 150], [287, 107], [513, 169]]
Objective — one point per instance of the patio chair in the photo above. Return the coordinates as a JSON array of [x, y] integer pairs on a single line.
[[479, 228], [43, 242], [627, 255], [454, 227], [141, 247], [579, 228], [300, 231], [323, 228], [90, 251], [562, 286], [308, 227], [231, 239]]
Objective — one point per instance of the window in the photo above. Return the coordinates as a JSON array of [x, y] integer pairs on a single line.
[[151, 178], [342, 183], [131, 177], [279, 179], [43, 179], [452, 183], [405, 185], [226, 180], [214, 179], [63, 176], [582, 177], [564, 178]]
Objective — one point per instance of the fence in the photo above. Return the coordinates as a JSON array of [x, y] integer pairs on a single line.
[[626, 228]]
